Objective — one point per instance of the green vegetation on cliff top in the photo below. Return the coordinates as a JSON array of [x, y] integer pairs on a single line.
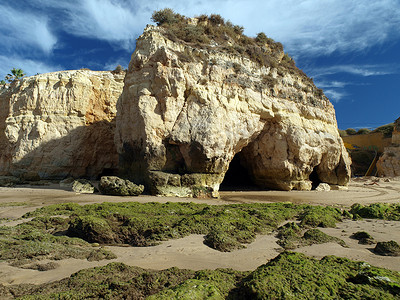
[[214, 33]]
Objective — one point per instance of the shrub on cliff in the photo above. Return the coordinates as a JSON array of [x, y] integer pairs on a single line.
[[351, 131], [228, 36], [363, 131], [387, 130], [164, 16]]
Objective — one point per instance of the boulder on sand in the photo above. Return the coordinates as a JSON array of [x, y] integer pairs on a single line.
[[113, 185], [83, 186]]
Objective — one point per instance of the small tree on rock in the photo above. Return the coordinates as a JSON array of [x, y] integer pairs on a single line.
[[16, 74], [164, 16], [118, 69]]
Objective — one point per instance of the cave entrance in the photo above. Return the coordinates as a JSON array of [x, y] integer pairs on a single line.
[[314, 178], [108, 172], [237, 178]]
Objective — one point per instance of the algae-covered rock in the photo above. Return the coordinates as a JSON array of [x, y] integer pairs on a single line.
[[112, 185], [290, 237], [321, 217], [91, 229], [191, 289], [83, 186], [296, 276], [316, 236], [390, 248], [363, 238], [384, 211]]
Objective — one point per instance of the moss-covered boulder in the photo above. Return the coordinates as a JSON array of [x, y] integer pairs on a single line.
[[390, 248], [112, 185], [363, 238], [92, 229], [296, 276]]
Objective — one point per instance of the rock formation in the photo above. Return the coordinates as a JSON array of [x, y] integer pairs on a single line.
[[389, 163], [187, 110], [59, 124]]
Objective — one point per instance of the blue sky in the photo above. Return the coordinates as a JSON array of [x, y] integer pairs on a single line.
[[350, 47]]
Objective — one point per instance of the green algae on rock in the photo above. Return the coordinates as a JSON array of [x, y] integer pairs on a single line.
[[290, 236], [288, 276], [226, 227], [35, 240], [295, 276], [390, 248], [363, 238], [383, 211], [112, 185]]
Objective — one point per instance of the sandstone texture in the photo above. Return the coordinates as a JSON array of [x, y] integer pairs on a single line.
[[389, 163], [186, 112], [59, 124]]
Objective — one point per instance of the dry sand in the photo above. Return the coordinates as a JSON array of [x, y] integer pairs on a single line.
[[191, 253]]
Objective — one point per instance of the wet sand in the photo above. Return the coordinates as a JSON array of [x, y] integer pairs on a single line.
[[191, 253]]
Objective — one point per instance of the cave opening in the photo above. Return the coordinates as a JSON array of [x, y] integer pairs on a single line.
[[314, 178], [108, 172], [238, 178]]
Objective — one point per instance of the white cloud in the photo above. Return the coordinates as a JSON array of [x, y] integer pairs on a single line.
[[334, 89], [21, 30], [30, 67], [105, 20], [114, 21], [361, 70], [331, 84], [307, 27], [335, 95]]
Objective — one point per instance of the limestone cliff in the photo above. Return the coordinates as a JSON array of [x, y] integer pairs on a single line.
[[60, 124], [187, 110], [389, 163]]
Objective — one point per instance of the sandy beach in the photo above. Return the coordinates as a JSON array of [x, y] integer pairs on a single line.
[[190, 252]]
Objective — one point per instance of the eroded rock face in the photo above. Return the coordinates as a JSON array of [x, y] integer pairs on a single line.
[[187, 111], [60, 124], [389, 163]]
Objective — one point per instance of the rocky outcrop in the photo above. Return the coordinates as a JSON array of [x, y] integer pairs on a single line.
[[113, 185], [83, 186], [186, 111], [389, 163], [60, 124]]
